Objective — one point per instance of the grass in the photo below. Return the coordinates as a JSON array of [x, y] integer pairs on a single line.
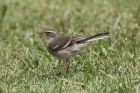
[[107, 66]]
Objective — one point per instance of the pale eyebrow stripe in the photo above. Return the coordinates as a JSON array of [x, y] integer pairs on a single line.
[[51, 31]]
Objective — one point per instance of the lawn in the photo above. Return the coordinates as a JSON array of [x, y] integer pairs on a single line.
[[111, 65]]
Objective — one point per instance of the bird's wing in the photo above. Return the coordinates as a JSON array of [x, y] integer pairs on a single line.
[[59, 43], [63, 42]]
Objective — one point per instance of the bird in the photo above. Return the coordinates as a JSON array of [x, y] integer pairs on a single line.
[[66, 47]]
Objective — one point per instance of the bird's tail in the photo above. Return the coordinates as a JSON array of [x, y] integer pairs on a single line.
[[98, 36], [95, 37]]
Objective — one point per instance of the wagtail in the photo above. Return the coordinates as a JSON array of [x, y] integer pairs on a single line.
[[66, 47]]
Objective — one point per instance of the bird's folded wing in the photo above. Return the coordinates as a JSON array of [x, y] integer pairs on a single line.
[[63, 42]]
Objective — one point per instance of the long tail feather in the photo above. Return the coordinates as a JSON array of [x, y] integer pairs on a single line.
[[95, 37], [98, 36]]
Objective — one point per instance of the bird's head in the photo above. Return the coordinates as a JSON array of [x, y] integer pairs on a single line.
[[49, 32]]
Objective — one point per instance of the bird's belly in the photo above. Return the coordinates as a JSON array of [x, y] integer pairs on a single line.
[[66, 54]]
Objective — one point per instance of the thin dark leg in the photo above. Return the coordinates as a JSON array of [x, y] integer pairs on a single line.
[[67, 65]]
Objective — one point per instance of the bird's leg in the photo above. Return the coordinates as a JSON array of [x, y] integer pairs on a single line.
[[67, 65]]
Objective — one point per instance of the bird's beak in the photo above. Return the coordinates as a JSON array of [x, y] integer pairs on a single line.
[[40, 32]]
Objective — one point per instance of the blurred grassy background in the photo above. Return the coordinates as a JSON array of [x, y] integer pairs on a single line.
[[107, 66]]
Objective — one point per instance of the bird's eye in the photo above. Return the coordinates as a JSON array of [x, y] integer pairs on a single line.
[[48, 33]]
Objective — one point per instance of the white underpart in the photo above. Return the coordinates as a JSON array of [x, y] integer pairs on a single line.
[[75, 47]]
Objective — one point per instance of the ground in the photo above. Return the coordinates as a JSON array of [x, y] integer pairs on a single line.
[[107, 66]]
